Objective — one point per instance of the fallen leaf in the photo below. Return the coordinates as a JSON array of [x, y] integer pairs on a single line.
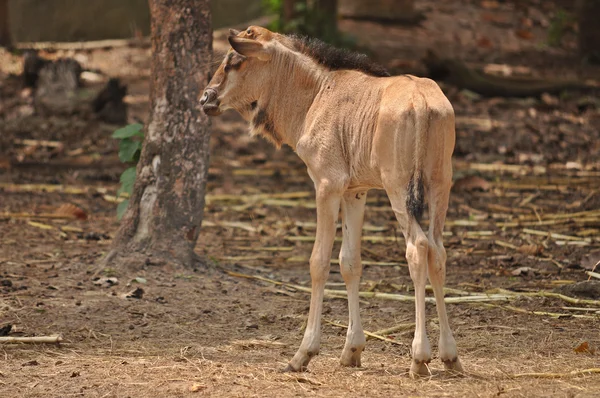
[[485, 42], [197, 387], [524, 34], [471, 183], [522, 271], [573, 166], [550, 100], [584, 348], [4, 163], [70, 210], [531, 250], [490, 4]]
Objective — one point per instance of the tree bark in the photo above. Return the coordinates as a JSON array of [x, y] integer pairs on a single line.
[[589, 30], [5, 38], [162, 222], [289, 11], [329, 12]]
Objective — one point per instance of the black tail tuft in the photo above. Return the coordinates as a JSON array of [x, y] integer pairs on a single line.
[[415, 199]]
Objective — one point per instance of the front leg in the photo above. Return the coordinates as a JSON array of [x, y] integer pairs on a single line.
[[328, 205], [353, 208]]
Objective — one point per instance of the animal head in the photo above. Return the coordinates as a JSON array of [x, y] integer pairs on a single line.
[[258, 57], [243, 72]]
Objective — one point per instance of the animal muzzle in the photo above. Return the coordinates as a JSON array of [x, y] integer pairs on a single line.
[[210, 103]]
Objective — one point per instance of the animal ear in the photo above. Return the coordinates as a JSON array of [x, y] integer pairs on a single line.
[[234, 32], [249, 48]]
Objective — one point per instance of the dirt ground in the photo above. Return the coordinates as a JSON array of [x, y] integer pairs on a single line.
[[523, 226]]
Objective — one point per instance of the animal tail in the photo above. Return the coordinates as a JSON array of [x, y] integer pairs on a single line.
[[415, 200]]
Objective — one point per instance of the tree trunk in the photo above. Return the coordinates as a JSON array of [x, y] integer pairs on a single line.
[[589, 30], [5, 39], [328, 9], [162, 222], [289, 11]]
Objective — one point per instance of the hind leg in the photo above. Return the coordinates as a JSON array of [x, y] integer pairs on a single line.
[[417, 248], [353, 207], [438, 206]]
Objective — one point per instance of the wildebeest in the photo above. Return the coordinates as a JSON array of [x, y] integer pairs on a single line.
[[356, 128]]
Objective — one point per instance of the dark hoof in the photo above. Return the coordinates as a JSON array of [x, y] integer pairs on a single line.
[[419, 369], [453, 365]]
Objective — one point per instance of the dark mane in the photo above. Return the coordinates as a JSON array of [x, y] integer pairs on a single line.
[[336, 58]]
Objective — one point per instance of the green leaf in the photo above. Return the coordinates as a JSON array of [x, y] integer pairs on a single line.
[[131, 130], [121, 208], [128, 150], [127, 180]]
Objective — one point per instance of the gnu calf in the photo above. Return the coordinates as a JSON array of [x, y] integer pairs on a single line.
[[356, 128]]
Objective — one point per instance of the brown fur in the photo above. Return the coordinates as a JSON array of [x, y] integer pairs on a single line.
[[355, 129]]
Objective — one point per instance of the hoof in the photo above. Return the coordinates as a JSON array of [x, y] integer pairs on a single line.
[[290, 369], [419, 369], [351, 357], [299, 362], [453, 365]]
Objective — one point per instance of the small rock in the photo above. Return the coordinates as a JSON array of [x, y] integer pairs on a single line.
[[587, 289], [250, 325], [5, 330], [524, 271], [106, 282], [136, 293]]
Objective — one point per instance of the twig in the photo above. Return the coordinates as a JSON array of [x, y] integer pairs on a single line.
[[593, 274], [543, 293], [394, 329], [35, 339], [379, 295], [370, 334], [505, 244], [559, 375], [84, 45], [540, 313], [40, 215], [554, 235]]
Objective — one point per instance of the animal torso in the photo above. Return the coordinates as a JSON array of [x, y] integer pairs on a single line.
[[365, 126]]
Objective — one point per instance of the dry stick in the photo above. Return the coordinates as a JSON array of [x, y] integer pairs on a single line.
[[543, 293], [559, 375], [540, 313], [385, 296], [36, 339], [555, 235], [592, 273], [394, 329], [370, 334], [483, 299], [40, 215]]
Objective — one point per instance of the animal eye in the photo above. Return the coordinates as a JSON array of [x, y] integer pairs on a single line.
[[227, 68], [249, 31]]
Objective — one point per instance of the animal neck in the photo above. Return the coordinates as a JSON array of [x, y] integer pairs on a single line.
[[279, 114]]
